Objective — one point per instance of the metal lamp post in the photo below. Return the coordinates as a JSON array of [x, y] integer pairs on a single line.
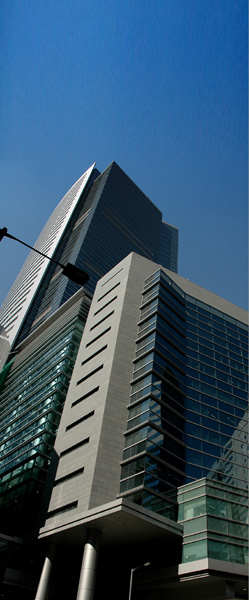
[[131, 576], [71, 271]]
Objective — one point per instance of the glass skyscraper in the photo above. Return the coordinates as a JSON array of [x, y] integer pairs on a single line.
[[102, 218], [123, 426], [188, 419], [174, 355]]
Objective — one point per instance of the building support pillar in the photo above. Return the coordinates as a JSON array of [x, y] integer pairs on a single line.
[[43, 587], [89, 565]]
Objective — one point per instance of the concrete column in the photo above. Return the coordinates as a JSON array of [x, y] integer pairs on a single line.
[[43, 587], [89, 566]]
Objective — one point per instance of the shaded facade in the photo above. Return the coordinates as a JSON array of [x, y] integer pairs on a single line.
[[31, 404]]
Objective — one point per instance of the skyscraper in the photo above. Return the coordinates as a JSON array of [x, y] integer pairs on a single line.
[[176, 354], [99, 221], [145, 464]]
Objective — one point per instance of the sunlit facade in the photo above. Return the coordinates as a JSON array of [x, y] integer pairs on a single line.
[[174, 354]]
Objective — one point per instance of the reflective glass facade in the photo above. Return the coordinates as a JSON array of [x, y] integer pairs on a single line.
[[168, 250], [31, 404], [215, 520], [111, 218], [154, 455], [216, 400], [188, 404]]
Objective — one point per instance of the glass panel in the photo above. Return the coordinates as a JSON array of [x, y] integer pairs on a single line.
[[193, 508], [218, 550], [194, 551], [194, 525]]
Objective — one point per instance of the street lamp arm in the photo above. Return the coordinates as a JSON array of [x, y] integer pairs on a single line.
[[131, 576], [71, 271], [4, 233]]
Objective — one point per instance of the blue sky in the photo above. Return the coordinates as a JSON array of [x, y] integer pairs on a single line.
[[159, 86]]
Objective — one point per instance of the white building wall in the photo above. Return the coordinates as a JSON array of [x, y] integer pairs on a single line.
[[27, 283], [106, 351]]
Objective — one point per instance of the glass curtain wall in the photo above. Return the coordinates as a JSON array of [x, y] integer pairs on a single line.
[[31, 406], [154, 455]]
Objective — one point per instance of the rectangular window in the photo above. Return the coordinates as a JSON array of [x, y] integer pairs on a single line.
[[105, 305], [98, 336], [102, 320], [89, 374], [62, 509], [93, 355], [75, 446], [96, 389], [69, 476], [113, 288], [90, 414], [105, 282]]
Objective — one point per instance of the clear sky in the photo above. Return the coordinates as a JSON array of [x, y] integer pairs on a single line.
[[159, 86]]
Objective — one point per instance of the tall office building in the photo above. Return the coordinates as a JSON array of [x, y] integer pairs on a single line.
[[32, 400], [99, 221], [175, 356], [148, 461]]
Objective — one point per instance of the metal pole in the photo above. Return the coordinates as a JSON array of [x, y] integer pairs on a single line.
[[5, 234], [73, 273], [131, 576], [131, 579]]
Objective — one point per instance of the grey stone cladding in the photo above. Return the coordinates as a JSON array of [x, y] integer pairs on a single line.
[[90, 439]]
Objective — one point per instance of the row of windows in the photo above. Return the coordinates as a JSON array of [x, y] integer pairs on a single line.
[[161, 307], [219, 436], [225, 403], [218, 412], [212, 367], [218, 378], [223, 392], [49, 354], [166, 294], [210, 462], [51, 382], [36, 407], [156, 341], [168, 369], [198, 314], [212, 341], [223, 331], [36, 445], [216, 352], [54, 391], [47, 423], [162, 326], [20, 428]]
